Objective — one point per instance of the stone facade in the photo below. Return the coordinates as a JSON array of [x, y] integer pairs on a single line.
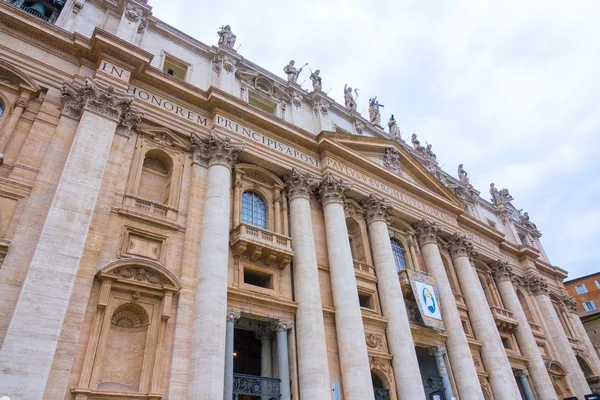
[[178, 223]]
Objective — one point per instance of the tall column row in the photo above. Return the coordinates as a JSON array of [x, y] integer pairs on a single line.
[[494, 356]]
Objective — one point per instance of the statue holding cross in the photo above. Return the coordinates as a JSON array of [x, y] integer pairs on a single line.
[[226, 37], [374, 114]]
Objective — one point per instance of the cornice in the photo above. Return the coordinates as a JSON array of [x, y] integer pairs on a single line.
[[481, 228], [252, 298]]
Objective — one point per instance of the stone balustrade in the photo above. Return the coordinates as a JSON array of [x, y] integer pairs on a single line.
[[257, 243], [363, 267], [504, 319]]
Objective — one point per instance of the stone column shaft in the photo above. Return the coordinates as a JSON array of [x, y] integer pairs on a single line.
[[538, 286], [9, 128], [522, 375], [32, 337], [527, 343], [313, 370], [438, 353], [208, 344], [354, 359], [502, 380], [459, 353], [283, 362], [231, 318], [404, 358]]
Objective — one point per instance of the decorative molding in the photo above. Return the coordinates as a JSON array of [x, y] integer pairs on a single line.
[[300, 184], [216, 150], [521, 373], [459, 246], [139, 274], [374, 341], [95, 97], [359, 126], [536, 285], [376, 209], [130, 120], [502, 270], [321, 106], [282, 325], [133, 13], [427, 232], [391, 160], [331, 190], [380, 364], [233, 315]]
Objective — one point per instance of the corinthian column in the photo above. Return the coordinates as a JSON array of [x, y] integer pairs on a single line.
[[527, 343], [538, 287], [457, 346], [571, 306], [313, 372], [494, 356], [404, 359], [30, 343], [208, 344], [354, 359]]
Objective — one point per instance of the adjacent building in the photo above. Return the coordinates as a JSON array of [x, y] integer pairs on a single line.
[[586, 292], [176, 222]]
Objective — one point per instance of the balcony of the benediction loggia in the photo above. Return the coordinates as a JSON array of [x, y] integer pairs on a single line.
[[256, 243], [46, 10]]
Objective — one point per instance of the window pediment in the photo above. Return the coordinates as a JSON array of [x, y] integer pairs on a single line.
[[139, 271]]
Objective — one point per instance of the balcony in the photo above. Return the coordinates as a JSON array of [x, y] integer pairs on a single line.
[[364, 268], [261, 245], [504, 319], [255, 386], [46, 10]]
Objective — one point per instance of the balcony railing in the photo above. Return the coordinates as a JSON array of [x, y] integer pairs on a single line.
[[504, 319], [362, 267], [32, 11], [257, 243], [433, 382], [255, 386], [382, 394]]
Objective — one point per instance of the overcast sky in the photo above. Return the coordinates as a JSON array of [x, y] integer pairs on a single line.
[[509, 88]]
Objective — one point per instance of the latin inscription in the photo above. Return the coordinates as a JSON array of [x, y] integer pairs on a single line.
[[391, 192], [266, 141], [115, 71]]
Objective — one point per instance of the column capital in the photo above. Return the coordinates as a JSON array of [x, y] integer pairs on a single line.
[[300, 184], [522, 373], [427, 232], [129, 120], [459, 246], [570, 303], [22, 102], [215, 150], [95, 97], [264, 332], [535, 285], [437, 351], [233, 315], [502, 270], [376, 209], [331, 190], [282, 325]]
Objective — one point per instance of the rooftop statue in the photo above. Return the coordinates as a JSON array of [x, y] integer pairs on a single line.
[[430, 153], [316, 80], [349, 99], [462, 175], [291, 71], [524, 219], [374, 115], [226, 37], [500, 197], [394, 129], [417, 144]]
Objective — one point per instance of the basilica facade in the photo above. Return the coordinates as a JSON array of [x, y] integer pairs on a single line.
[[177, 223]]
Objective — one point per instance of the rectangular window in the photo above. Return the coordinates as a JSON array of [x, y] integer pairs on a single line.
[[366, 300], [262, 103], [597, 282], [256, 278], [506, 343], [581, 289], [589, 306], [175, 68]]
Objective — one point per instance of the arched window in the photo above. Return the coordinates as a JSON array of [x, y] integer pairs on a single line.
[[1, 109], [399, 256], [254, 210]]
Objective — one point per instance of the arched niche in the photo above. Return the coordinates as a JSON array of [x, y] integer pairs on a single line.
[[125, 350], [382, 375], [558, 375]]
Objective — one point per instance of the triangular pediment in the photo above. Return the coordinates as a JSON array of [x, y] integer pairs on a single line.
[[164, 136], [393, 163]]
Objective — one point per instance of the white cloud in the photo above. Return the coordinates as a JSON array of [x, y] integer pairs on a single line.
[[508, 88]]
